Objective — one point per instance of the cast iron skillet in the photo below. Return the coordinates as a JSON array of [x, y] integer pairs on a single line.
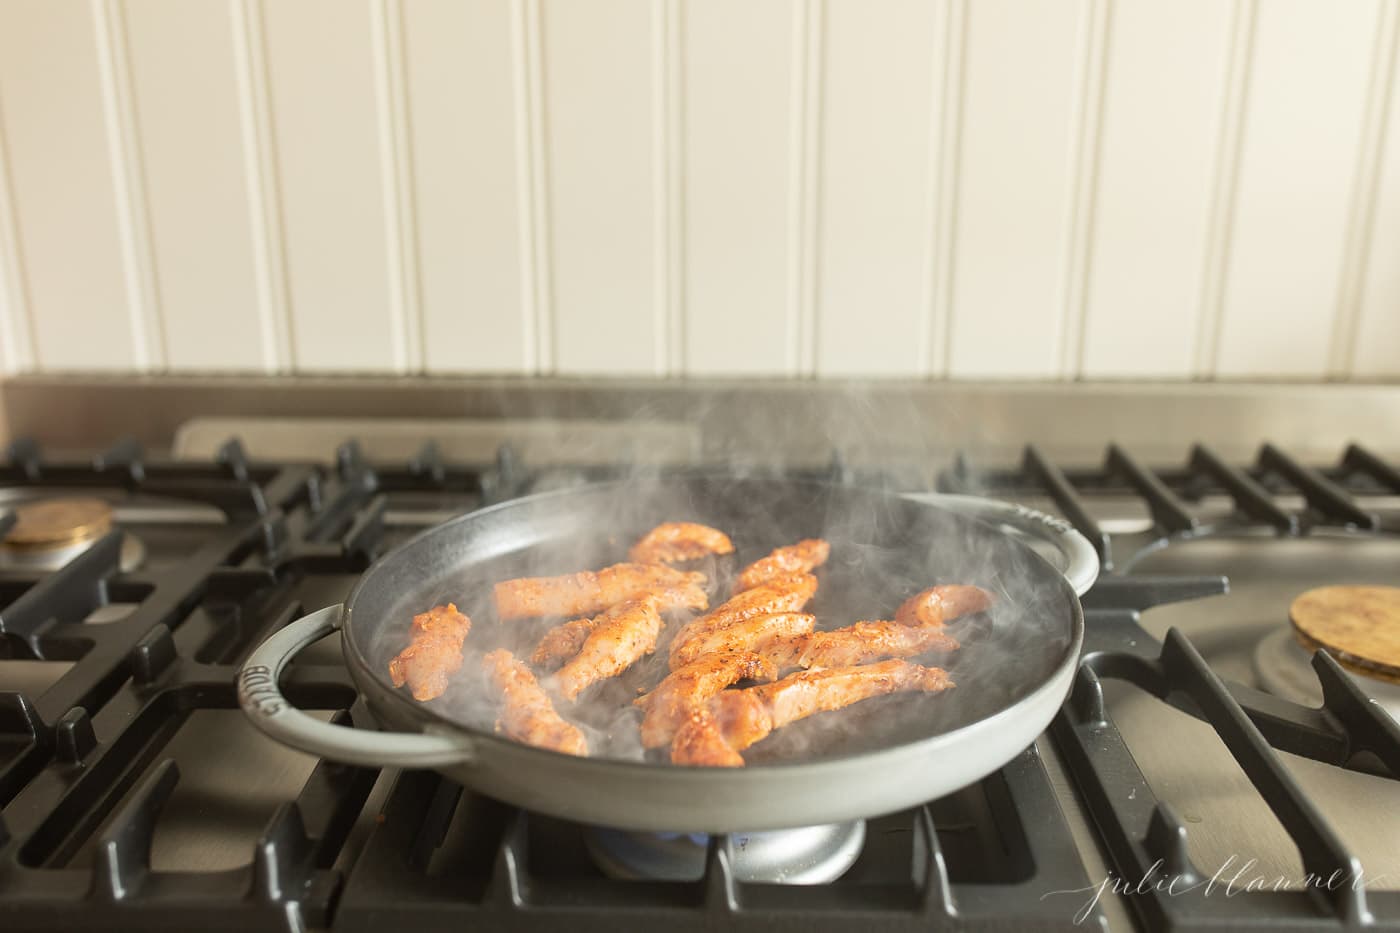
[[1012, 673]]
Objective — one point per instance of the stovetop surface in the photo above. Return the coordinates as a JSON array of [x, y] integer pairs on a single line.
[[134, 794]]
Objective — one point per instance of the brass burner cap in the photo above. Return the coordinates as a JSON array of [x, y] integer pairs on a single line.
[[56, 523], [1357, 625]]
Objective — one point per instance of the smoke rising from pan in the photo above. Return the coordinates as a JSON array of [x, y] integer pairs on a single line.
[[884, 549]]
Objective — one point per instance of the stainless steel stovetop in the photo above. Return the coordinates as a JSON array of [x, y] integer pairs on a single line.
[[230, 777]]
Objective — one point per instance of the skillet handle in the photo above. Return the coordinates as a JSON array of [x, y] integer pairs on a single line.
[[263, 702], [1081, 560]]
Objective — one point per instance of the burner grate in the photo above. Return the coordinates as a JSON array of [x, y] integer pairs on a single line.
[[73, 776], [1145, 839], [446, 859]]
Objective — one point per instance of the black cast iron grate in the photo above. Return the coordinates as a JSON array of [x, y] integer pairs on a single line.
[[1145, 839], [84, 757]]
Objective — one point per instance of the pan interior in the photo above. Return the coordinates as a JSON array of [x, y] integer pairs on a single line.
[[884, 548]]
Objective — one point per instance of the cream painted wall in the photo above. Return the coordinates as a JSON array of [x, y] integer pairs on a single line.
[[1079, 189]]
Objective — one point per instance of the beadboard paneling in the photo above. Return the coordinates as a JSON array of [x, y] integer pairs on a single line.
[[331, 171], [1159, 137], [184, 86], [738, 111], [995, 189], [63, 188], [876, 210], [1298, 159], [601, 136], [467, 182], [1013, 188]]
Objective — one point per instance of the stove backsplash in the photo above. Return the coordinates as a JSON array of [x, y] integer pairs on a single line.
[[803, 188]]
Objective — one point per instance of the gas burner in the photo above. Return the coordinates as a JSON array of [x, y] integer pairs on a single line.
[[810, 855], [48, 533], [1359, 626]]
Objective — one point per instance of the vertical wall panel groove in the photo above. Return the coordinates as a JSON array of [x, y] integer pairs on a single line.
[[1232, 127], [1084, 187], [185, 95], [17, 351], [396, 160], [804, 181], [1375, 343], [876, 162], [62, 188], [331, 174], [534, 184], [1306, 97], [600, 108], [945, 227], [1158, 149], [264, 203], [1365, 192], [466, 155], [1014, 181], [736, 232], [666, 186], [128, 179]]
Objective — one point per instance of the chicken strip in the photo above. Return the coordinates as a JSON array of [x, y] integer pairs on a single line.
[[434, 652], [621, 636], [677, 541], [670, 703], [526, 713], [579, 594], [801, 557], [561, 643], [700, 740], [865, 642], [938, 605], [752, 634], [735, 719], [782, 594]]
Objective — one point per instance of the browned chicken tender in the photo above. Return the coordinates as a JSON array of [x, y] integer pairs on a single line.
[[672, 542], [802, 557], [752, 634], [701, 740], [527, 715], [782, 594], [938, 605], [589, 592], [433, 654], [864, 642], [621, 636], [670, 703], [735, 719], [561, 643]]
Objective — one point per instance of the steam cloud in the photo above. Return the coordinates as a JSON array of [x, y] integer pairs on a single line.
[[878, 559]]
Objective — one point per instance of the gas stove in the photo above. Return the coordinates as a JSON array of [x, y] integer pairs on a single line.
[[1204, 774]]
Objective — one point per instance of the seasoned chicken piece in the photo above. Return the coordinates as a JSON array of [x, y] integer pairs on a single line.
[[941, 604], [621, 636], [701, 741], [526, 713], [865, 642], [801, 557], [782, 594], [752, 634], [561, 643], [736, 719], [670, 703], [434, 652], [579, 594], [678, 541]]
